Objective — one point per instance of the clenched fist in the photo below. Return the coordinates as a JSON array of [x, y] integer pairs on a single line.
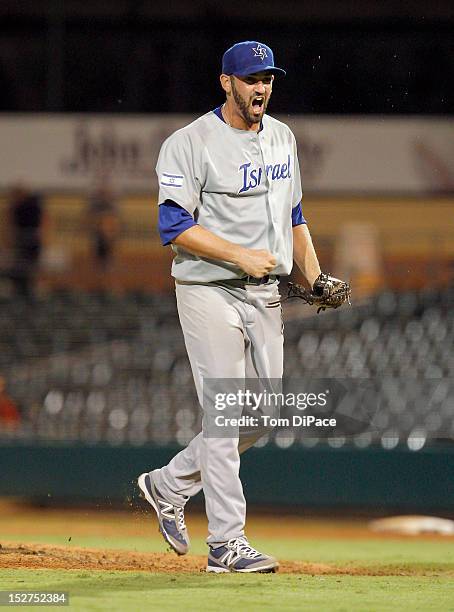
[[256, 262]]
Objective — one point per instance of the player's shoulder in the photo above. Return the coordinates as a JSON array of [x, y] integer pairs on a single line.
[[272, 123], [192, 132]]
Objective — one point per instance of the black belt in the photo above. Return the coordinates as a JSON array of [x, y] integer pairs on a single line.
[[249, 280]]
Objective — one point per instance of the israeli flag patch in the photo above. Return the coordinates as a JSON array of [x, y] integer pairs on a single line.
[[171, 180]]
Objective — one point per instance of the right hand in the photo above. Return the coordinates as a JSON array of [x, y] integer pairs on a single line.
[[256, 262]]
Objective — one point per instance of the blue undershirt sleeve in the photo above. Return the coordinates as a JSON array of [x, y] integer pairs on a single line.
[[173, 221], [297, 216]]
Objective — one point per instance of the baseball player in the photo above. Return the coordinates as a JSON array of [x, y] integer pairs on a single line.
[[230, 206]]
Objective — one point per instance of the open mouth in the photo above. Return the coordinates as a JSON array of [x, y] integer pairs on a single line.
[[257, 103]]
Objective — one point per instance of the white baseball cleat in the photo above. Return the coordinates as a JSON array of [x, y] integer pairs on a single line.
[[237, 555], [170, 517]]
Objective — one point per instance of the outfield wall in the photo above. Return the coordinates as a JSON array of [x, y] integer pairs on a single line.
[[356, 154], [347, 478]]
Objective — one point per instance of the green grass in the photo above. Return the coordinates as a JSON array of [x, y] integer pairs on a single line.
[[125, 591], [90, 591]]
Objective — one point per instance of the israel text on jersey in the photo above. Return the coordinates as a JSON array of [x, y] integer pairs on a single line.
[[252, 177]]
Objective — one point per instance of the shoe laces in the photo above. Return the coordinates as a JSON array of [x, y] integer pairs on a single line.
[[173, 513], [242, 547], [179, 515]]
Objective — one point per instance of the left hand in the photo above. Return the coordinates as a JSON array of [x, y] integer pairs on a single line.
[[330, 292]]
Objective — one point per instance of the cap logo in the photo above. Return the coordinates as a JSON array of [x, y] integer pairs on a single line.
[[260, 51]]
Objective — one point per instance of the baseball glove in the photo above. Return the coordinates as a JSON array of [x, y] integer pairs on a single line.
[[327, 292]]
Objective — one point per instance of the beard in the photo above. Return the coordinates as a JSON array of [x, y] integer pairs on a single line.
[[244, 106]]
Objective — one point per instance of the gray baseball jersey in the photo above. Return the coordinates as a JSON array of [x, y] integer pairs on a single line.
[[241, 185]]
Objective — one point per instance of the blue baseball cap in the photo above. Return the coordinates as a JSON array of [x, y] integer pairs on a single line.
[[249, 57]]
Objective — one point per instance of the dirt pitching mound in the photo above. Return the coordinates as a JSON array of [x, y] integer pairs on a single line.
[[14, 555]]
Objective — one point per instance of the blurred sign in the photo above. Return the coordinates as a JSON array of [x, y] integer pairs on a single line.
[[354, 154]]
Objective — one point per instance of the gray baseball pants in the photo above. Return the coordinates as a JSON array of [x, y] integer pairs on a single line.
[[229, 333]]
